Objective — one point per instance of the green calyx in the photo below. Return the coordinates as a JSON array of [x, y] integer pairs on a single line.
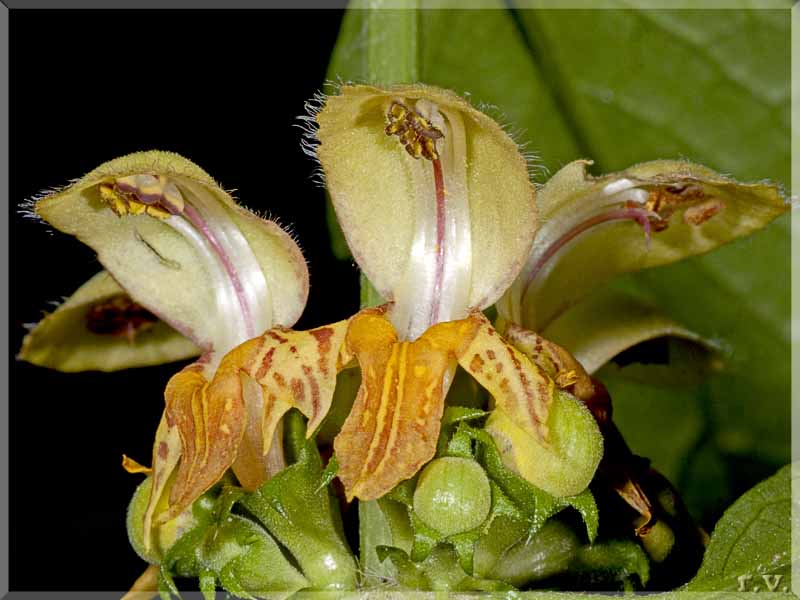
[[466, 509], [284, 537], [298, 509], [567, 466]]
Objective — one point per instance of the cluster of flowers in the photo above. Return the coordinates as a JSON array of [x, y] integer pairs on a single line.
[[437, 207]]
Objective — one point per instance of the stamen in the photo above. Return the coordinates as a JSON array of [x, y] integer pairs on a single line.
[[237, 281], [629, 212], [137, 194], [416, 133], [438, 179], [230, 269]]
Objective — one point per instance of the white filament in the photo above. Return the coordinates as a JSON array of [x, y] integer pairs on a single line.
[[232, 323], [417, 303], [563, 220], [256, 291]]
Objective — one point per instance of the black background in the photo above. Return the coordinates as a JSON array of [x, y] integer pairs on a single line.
[[221, 88]]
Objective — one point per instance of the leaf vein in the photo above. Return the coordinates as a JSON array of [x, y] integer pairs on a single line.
[[651, 17]]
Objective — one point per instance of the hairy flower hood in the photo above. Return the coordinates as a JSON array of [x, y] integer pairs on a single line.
[[597, 228], [179, 254], [439, 236]]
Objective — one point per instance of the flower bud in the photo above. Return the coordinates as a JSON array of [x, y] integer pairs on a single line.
[[568, 461], [453, 495]]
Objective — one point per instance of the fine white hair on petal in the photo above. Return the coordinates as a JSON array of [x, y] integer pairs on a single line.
[[289, 229], [309, 141], [27, 208], [518, 135], [333, 88]]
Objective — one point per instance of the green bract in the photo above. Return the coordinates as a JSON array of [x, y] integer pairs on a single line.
[[298, 509]]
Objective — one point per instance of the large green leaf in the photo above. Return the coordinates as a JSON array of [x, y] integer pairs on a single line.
[[750, 546], [625, 86], [712, 86]]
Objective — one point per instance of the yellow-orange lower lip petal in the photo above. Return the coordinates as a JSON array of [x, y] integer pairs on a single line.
[[230, 421], [271, 374], [211, 428], [166, 454], [394, 424], [519, 387]]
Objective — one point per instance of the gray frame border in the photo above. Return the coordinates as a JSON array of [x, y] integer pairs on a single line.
[[5, 189], [7, 5]]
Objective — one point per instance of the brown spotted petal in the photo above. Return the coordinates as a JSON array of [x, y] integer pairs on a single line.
[[210, 428], [555, 361], [655, 213], [519, 386], [394, 424], [543, 433], [232, 420], [279, 370]]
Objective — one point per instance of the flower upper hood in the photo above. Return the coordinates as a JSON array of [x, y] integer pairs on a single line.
[[598, 228], [177, 245], [437, 235]]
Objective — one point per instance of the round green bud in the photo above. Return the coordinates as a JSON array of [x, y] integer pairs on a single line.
[[575, 446], [658, 541], [453, 495]]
